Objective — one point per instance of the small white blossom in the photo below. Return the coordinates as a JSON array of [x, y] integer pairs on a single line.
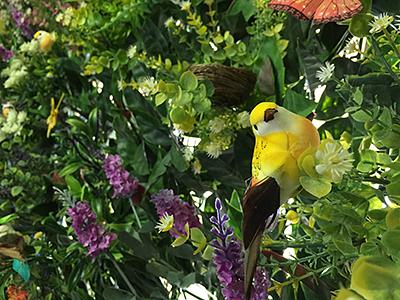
[[332, 160], [325, 73], [31, 47], [169, 22], [213, 149], [132, 51], [216, 125], [243, 119], [380, 23], [185, 5], [121, 85], [147, 86], [165, 223]]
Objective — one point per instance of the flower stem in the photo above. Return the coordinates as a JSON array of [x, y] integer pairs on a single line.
[[126, 280], [391, 42], [135, 213]]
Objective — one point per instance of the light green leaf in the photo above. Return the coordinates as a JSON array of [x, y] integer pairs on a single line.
[[160, 98], [316, 187], [208, 253], [358, 96], [188, 81], [16, 190], [198, 239], [361, 116], [73, 185]]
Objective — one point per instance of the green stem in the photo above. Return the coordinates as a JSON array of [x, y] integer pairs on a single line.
[[297, 279], [295, 261], [135, 213], [126, 280], [191, 294], [280, 246], [376, 180], [384, 61], [391, 42]]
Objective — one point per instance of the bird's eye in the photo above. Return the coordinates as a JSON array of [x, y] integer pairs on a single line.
[[255, 127]]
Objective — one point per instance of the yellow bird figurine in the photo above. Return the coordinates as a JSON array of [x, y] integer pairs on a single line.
[[280, 138], [45, 39]]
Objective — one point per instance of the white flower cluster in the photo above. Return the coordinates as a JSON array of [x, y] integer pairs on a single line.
[[16, 72], [11, 123]]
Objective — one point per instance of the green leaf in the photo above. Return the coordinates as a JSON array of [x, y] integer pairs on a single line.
[[235, 201], [361, 116], [369, 248], [79, 126], [178, 160], [393, 188], [374, 274], [358, 96], [8, 219], [344, 245], [73, 185], [317, 187], [178, 115], [246, 7], [16, 190], [92, 120], [201, 105], [198, 239], [393, 218], [70, 168], [188, 81], [208, 253], [179, 241], [160, 98], [139, 160], [386, 117], [298, 103], [391, 241]]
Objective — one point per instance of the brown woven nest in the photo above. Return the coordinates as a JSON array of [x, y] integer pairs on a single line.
[[232, 85]]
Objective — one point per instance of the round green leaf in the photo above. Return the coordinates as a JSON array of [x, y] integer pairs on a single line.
[[188, 81], [393, 218], [178, 115], [317, 187]]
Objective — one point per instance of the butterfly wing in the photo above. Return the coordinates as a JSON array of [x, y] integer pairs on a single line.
[[22, 268], [336, 10], [320, 11], [301, 9]]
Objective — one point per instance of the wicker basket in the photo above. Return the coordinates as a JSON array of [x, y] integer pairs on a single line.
[[232, 85]]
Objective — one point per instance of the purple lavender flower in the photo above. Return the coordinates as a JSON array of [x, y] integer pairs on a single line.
[[124, 185], [168, 203], [21, 22], [5, 54], [228, 259], [90, 234]]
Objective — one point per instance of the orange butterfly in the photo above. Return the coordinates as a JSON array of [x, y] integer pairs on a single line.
[[320, 11]]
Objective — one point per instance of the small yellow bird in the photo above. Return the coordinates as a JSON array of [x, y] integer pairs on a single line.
[[281, 137], [45, 39]]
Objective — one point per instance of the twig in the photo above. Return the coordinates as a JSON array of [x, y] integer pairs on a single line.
[[128, 283]]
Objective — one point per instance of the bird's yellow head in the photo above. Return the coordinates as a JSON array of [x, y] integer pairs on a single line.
[[263, 118], [38, 34]]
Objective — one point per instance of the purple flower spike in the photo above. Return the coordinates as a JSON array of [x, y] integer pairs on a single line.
[[124, 185], [21, 22], [228, 259], [90, 234], [5, 54], [168, 203]]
